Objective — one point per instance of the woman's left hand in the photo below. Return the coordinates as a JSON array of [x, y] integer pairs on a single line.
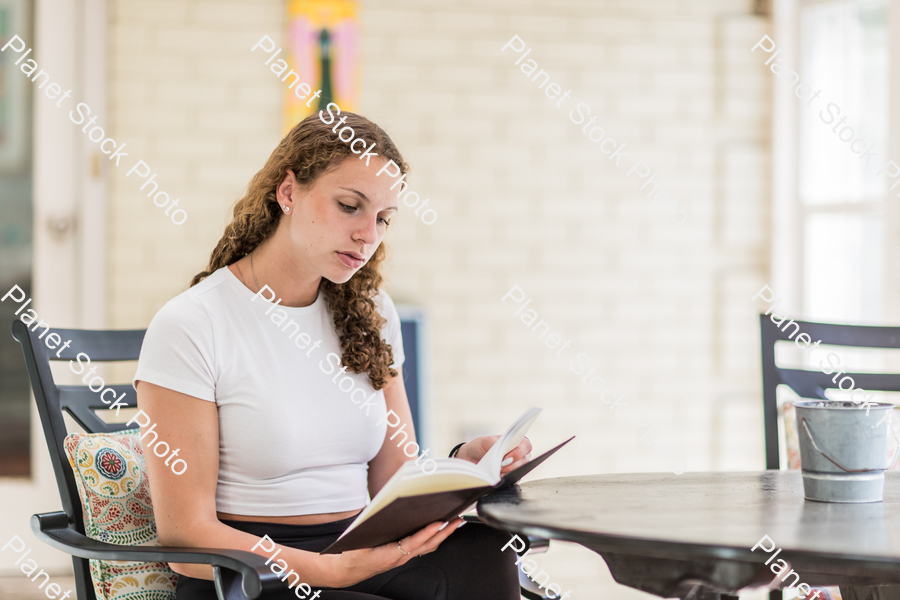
[[515, 458]]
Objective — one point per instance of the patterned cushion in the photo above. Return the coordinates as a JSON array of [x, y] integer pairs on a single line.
[[115, 497], [792, 441]]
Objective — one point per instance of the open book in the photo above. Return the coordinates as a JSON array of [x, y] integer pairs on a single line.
[[412, 499]]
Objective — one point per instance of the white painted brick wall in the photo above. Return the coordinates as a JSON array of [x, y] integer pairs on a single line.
[[522, 196]]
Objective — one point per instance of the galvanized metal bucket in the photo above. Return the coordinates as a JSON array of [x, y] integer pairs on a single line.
[[843, 450]]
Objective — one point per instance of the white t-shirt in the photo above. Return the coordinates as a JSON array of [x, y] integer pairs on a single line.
[[291, 441]]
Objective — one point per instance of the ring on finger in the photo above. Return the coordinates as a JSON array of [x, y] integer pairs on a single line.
[[401, 550]]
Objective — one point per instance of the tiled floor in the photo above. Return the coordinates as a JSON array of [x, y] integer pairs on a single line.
[[21, 588]]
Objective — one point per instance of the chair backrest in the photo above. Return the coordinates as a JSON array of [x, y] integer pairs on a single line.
[[413, 328], [812, 384], [78, 400]]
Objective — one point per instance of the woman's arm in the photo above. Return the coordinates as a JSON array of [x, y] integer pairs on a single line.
[[185, 505], [391, 457]]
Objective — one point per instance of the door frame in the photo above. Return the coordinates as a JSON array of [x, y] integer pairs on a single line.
[[69, 230]]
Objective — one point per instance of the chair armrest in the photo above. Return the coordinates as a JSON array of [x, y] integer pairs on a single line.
[[230, 567]]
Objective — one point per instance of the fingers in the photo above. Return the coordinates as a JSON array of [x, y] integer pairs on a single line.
[[419, 538], [432, 544], [474, 450], [527, 443], [428, 539], [520, 455], [362, 564], [515, 465], [519, 451]]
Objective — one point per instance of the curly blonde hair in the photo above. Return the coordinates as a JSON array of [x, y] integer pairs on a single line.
[[309, 150]]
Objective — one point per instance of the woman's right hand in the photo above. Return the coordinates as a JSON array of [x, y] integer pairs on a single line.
[[354, 566]]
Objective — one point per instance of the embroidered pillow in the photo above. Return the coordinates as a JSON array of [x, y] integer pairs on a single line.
[[115, 497]]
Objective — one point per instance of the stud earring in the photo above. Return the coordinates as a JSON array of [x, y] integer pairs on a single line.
[[287, 209]]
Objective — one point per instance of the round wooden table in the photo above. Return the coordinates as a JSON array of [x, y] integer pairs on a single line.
[[666, 534]]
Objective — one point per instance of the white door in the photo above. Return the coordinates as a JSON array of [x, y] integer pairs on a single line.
[[68, 259]]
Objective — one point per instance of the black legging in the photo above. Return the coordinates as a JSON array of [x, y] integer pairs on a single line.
[[467, 566]]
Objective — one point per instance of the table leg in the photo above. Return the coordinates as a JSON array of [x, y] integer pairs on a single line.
[[695, 579]]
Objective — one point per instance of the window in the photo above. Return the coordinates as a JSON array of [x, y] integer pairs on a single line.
[[844, 53]]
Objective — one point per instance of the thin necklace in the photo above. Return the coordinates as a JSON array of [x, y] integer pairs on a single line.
[[258, 287], [241, 274]]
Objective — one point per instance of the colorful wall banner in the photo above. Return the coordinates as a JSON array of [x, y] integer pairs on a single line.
[[322, 40]]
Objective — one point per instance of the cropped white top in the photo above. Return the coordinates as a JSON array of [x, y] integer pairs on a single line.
[[291, 441]]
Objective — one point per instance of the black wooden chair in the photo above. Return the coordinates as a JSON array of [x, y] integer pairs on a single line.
[[239, 575], [812, 384]]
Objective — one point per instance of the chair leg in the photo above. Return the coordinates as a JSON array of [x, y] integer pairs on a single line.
[[228, 584], [528, 588]]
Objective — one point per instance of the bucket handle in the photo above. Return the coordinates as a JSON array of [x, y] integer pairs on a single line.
[[838, 465]]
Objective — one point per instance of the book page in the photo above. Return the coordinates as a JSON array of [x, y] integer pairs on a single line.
[[410, 480], [491, 460]]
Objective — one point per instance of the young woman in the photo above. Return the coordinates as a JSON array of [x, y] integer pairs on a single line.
[[238, 384]]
